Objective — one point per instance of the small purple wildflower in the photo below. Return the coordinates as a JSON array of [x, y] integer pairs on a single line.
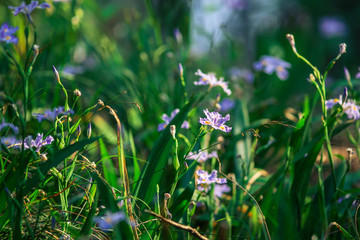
[[8, 141], [38, 143], [226, 105], [109, 220], [6, 33], [27, 9], [329, 104], [52, 115], [205, 179], [178, 36], [332, 27], [344, 198], [269, 64], [241, 73], [4, 124], [349, 106], [212, 81], [220, 189], [215, 120], [358, 74], [352, 110], [168, 119], [202, 156]]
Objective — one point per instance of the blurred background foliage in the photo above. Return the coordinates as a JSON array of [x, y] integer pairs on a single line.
[[127, 54]]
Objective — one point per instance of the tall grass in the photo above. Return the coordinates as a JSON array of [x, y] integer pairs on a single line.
[[110, 165]]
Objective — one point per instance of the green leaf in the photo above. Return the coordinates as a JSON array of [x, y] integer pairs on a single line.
[[158, 159]]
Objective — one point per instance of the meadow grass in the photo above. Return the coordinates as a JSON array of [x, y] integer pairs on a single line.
[[142, 140]]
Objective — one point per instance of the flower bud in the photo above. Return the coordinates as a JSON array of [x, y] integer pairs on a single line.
[[345, 94], [181, 70], [36, 49], [43, 157], [173, 131], [291, 40], [78, 131], [101, 103], [312, 77], [89, 131], [342, 48], [56, 74], [167, 196], [77, 93], [347, 74]]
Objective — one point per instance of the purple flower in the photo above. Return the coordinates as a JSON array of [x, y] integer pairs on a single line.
[[226, 105], [109, 220], [202, 156], [358, 74], [352, 110], [27, 9], [6, 34], [168, 119], [215, 120], [332, 27], [205, 179], [212, 81], [38, 143], [4, 124], [269, 65], [220, 189], [349, 106], [329, 104], [238, 73], [8, 141], [52, 115]]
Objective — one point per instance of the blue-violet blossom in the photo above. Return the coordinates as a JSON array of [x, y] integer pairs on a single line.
[[215, 120], [204, 179], [52, 115], [109, 220], [4, 124], [27, 9], [168, 119], [269, 64], [8, 141], [349, 106], [38, 143], [6, 33], [202, 156], [220, 189], [212, 81]]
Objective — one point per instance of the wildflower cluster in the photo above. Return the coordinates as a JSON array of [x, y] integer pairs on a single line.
[[202, 156], [51, 115], [7, 32], [27, 9], [269, 65], [168, 119], [205, 180], [212, 81], [351, 109]]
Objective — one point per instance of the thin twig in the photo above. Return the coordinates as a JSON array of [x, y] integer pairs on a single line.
[[189, 229]]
